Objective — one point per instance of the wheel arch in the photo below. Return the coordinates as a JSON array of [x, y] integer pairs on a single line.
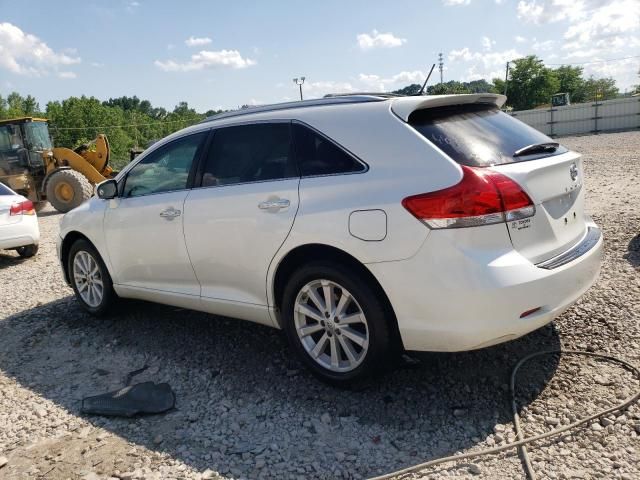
[[315, 251], [69, 239]]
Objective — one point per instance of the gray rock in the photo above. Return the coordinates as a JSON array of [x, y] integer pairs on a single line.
[[474, 469]]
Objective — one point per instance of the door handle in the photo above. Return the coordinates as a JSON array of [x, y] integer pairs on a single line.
[[274, 204], [170, 213]]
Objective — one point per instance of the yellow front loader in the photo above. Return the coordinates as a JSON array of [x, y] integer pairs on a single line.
[[72, 174], [30, 165]]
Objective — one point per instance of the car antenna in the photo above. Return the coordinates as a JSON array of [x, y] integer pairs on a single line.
[[425, 82]]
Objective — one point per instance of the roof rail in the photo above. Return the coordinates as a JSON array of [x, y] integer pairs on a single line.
[[372, 94], [336, 100]]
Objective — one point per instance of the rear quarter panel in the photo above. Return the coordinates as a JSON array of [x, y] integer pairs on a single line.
[[400, 163]]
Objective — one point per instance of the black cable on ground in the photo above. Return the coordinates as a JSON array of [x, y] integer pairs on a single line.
[[522, 442]]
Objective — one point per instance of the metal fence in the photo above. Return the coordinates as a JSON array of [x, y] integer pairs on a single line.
[[593, 117]]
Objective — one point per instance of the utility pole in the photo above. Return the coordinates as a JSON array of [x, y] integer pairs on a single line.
[[299, 82], [506, 79], [440, 65]]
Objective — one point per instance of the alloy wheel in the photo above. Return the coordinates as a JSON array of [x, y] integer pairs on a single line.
[[331, 326], [88, 279]]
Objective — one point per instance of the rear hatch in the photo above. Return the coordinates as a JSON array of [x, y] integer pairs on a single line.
[[480, 135]]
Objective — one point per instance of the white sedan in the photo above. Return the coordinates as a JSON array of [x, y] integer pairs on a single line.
[[18, 223], [358, 224]]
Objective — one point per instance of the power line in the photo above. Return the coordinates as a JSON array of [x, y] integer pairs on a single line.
[[597, 61], [158, 123]]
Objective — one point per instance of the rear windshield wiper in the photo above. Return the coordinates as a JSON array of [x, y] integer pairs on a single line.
[[537, 148]]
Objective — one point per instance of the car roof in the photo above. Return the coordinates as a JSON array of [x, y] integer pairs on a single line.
[[402, 106], [317, 102]]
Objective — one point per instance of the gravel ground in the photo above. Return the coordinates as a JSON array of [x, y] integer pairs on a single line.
[[245, 409]]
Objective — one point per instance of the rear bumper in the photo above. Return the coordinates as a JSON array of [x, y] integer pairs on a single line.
[[460, 292], [25, 232]]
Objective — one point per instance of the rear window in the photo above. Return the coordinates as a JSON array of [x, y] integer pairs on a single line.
[[316, 155], [479, 135], [5, 190]]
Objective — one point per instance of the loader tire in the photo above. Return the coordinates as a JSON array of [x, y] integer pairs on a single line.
[[67, 189]]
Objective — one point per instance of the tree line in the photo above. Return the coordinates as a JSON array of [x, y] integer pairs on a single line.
[[530, 84], [130, 122]]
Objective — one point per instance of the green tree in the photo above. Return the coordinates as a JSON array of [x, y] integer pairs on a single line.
[[3, 108], [498, 86], [479, 86], [600, 89], [448, 88], [412, 89], [530, 83], [30, 106], [570, 81]]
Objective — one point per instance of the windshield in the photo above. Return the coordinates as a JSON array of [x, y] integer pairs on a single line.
[[481, 135], [37, 136]]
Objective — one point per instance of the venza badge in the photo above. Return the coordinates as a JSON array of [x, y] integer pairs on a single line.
[[573, 171]]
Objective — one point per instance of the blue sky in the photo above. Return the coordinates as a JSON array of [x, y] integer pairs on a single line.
[[222, 54]]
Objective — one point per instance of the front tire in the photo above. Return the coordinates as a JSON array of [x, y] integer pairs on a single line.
[[335, 322], [90, 278]]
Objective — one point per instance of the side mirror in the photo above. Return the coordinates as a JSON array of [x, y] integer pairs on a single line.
[[107, 190]]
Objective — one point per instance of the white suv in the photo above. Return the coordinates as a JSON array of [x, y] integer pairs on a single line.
[[358, 224]]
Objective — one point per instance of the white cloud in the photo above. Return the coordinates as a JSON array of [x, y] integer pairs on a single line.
[[379, 40], [25, 54], [362, 83], [487, 43], [596, 30], [207, 59], [519, 39], [619, 17], [450, 3], [543, 46], [197, 41], [132, 6], [321, 88], [97, 64], [483, 64], [67, 75], [385, 84]]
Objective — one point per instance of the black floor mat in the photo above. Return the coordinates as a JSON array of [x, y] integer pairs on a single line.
[[142, 398]]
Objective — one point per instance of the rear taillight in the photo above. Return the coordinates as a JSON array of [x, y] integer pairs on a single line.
[[482, 197], [22, 208]]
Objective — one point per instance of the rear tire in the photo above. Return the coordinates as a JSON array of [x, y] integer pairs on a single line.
[[90, 278], [67, 189], [27, 251], [39, 205], [346, 342]]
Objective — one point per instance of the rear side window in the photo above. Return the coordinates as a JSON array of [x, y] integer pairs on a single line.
[[249, 153], [5, 191], [317, 155], [480, 135]]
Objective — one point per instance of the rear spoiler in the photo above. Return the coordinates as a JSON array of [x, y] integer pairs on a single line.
[[403, 107]]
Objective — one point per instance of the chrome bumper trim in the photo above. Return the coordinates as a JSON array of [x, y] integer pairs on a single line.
[[588, 242]]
